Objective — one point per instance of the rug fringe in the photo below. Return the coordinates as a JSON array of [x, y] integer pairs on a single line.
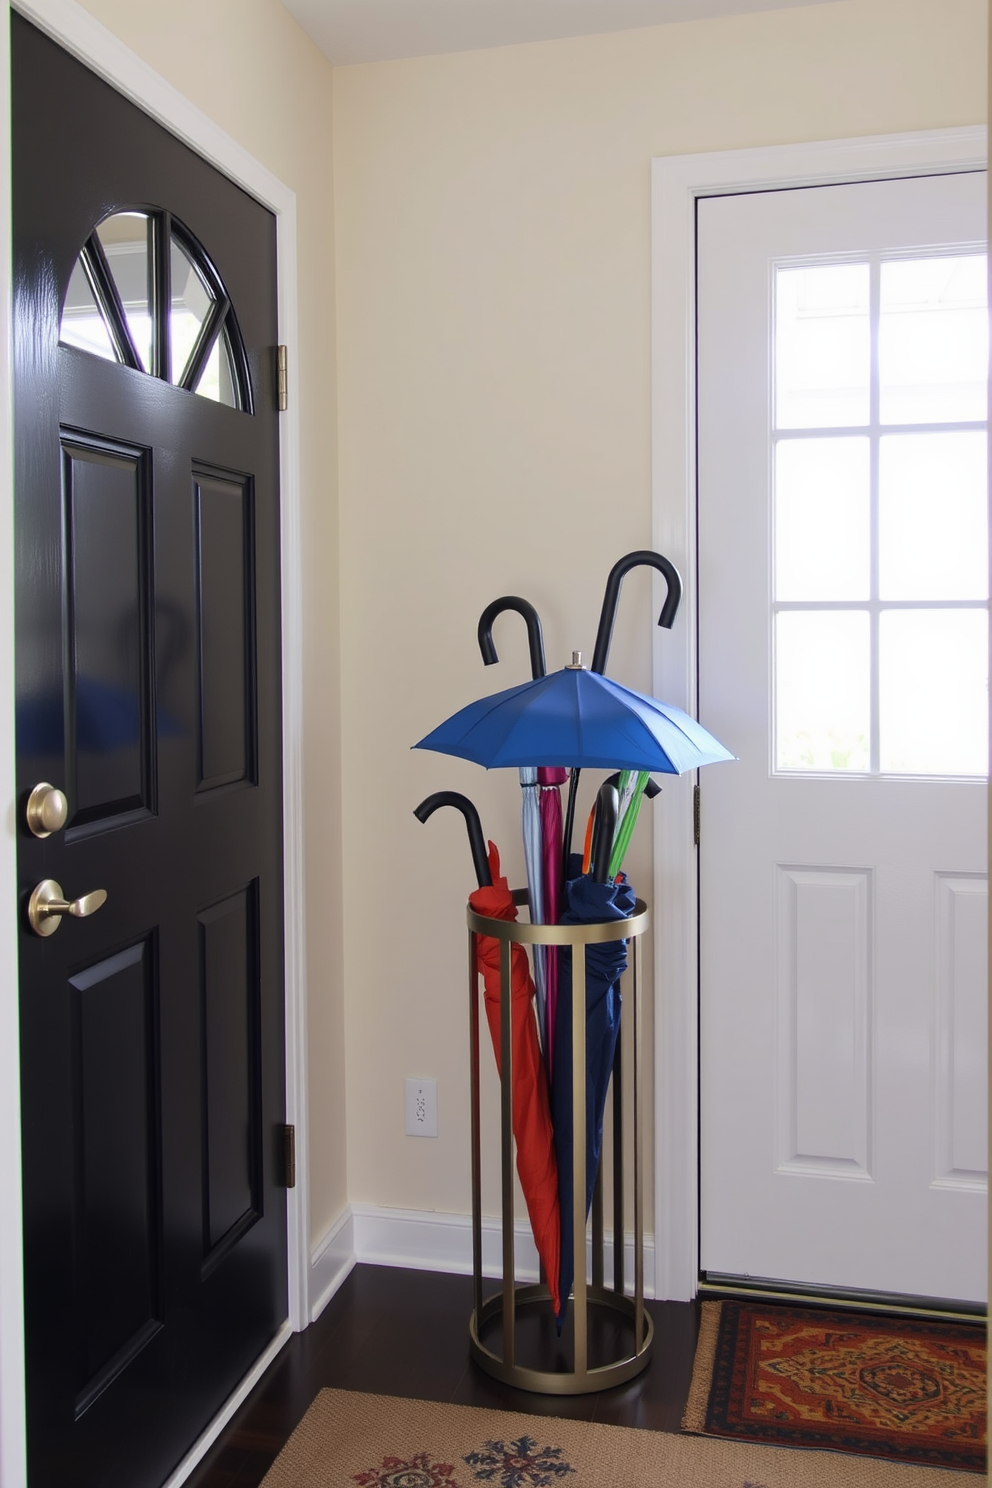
[[694, 1417]]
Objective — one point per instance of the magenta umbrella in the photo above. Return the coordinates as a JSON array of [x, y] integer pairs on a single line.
[[550, 779]]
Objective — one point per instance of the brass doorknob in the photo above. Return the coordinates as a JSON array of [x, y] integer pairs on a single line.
[[47, 810], [47, 906]]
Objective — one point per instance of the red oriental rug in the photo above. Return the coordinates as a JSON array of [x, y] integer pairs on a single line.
[[901, 1388]]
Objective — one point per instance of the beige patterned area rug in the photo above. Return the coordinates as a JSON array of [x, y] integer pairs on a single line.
[[376, 1441]]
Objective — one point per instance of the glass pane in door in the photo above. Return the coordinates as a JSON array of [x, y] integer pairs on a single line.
[[934, 692], [823, 686], [124, 240], [822, 510], [933, 340], [822, 346], [933, 516], [191, 301], [83, 324]]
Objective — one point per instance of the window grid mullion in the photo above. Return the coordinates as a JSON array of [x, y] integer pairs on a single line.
[[161, 261], [874, 316], [853, 431], [878, 605]]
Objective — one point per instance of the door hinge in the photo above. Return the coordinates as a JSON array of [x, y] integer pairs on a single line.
[[695, 816], [282, 378], [289, 1155]]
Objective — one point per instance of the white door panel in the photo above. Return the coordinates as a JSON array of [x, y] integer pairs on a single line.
[[842, 915]]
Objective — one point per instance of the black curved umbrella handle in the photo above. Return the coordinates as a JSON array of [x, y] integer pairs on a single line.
[[535, 636], [604, 831], [651, 790], [476, 840], [644, 558]]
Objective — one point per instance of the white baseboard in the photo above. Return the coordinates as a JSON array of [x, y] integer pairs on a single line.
[[331, 1261], [202, 1445], [428, 1241]]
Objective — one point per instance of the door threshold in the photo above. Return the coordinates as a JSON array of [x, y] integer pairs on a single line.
[[715, 1287]]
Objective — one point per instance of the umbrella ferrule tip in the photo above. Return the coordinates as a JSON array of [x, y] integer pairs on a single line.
[[576, 663]]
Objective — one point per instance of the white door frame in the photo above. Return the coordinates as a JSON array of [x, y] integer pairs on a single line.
[[78, 32], [677, 183]]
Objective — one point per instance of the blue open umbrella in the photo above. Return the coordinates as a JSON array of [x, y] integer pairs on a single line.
[[576, 718]]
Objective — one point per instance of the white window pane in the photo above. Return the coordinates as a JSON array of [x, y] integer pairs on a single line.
[[82, 323], [124, 239], [822, 346], [191, 301], [208, 384], [822, 533], [933, 340], [933, 516], [934, 692], [822, 689], [216, 381]]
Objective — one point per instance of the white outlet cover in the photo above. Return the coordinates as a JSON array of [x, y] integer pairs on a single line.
[[421, 1108]]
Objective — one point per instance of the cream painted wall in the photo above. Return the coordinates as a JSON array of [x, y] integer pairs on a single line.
[[248, 66], [493, 295]]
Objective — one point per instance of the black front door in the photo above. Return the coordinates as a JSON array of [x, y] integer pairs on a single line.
[[148, 693]]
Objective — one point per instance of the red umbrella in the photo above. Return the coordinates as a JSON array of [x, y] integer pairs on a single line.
[[532, 1130]]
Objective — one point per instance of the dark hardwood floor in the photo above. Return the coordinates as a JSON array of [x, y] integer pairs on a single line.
[[396, 1332]]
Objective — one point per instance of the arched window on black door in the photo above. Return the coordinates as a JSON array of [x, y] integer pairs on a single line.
[[145, 294]]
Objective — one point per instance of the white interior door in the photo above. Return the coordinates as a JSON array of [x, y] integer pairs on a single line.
[[843, 598]]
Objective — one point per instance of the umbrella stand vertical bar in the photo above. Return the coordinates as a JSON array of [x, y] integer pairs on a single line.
[[473, 1026], [506, 1123], [638, 1159], [580, 1320], [618, 1214]]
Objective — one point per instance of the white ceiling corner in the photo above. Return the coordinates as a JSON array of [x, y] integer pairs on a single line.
[[350, 31]]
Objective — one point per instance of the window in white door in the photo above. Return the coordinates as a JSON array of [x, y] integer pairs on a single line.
[[879, 516]]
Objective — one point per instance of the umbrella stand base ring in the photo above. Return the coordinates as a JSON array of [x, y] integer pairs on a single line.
[[560, 1382]]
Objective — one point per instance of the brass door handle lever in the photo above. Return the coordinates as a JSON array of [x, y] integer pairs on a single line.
[[47, 906]]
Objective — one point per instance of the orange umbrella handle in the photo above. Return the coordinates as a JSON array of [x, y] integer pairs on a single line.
[[587, 849]]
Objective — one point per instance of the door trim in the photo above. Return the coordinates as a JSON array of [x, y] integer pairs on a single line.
[[677, 182], [84, 37]]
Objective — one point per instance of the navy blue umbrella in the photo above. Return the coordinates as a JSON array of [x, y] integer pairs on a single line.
[[590, 899]]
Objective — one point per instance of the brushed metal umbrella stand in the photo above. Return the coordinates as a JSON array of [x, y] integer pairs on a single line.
[[623, 1349]]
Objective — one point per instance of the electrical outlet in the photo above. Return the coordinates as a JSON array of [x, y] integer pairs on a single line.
[[421, 1108]]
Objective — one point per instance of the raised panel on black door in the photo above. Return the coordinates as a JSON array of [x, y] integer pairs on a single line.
[[117, 1164], [225, 622], [231, 1119], [109, 738]]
